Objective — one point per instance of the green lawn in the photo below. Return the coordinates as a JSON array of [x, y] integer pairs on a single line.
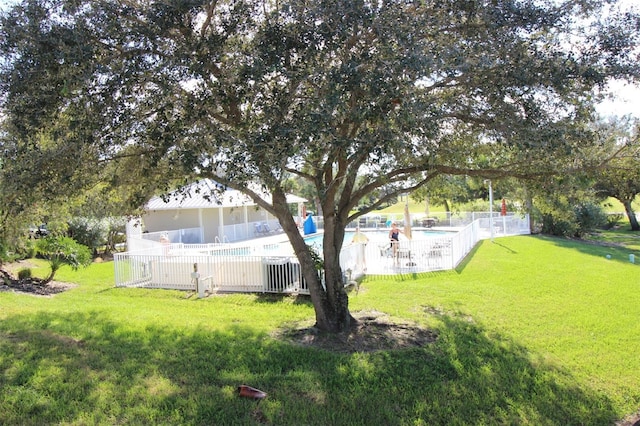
[[532, 330], [621, 236]]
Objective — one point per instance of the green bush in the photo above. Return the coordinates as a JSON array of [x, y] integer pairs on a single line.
[[24, 248], [553, 224], [29, 250], [574, 222], [95, 233], [613, 219], [4, 256], [589, 217], [24, 274]]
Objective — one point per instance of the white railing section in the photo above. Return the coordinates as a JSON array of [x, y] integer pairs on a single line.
[[463, 242], [219, 270], [413, 256], [273, 268], [185, 235], [249, 230], [439, 219]]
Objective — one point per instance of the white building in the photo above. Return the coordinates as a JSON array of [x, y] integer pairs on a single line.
[[196, 216]]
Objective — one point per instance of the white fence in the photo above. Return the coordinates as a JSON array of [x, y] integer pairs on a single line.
[[439, 219], [273, 268], [249, 230], [186, 236], [440, 252], [219, 268]]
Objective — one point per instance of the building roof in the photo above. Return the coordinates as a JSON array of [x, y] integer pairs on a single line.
[[199, 196]]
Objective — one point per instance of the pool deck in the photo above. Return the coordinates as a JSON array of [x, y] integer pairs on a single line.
[[376, 263]]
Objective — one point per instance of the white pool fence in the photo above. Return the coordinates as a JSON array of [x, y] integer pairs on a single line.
[[255, 267]]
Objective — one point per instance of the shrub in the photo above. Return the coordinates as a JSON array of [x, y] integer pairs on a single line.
[[613, 219], [554, 224], [583, 218], [29, 250], [4, 256], [24, 274], [94, 233], [63, 251], [589, 217]]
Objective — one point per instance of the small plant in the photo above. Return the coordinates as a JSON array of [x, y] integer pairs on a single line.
[[29, 250], [613, 219], [24, 274]]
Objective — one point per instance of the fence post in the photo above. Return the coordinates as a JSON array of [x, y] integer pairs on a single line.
[[195, 277]]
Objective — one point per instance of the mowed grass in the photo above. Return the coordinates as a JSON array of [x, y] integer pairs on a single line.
[[532, 330]]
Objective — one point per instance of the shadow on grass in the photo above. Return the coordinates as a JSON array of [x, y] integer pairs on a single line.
[[507, 249], [89, 369], [411, 276], [462, 265], [271, 298]]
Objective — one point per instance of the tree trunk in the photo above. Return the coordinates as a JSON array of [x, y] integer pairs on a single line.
[[633, 220], [528, 208], [50, 277], [329, 297], [337, 302]]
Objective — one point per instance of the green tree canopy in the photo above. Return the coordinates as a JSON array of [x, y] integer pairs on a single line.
[[355, 97]]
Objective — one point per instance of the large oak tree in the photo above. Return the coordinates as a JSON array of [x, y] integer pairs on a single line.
[[356, 97]]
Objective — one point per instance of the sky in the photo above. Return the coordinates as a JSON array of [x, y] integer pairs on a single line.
[[626, 102], [627, 97]]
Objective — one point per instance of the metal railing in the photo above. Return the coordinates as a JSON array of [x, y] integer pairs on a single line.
[[439, 252], [185, 235], [219, 270]]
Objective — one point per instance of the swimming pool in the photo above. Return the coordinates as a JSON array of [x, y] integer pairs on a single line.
[[381, 236]]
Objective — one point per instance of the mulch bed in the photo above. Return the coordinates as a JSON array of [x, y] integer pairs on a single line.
[[372, 331], [34, 286]]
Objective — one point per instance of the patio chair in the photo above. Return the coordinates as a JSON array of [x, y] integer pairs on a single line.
[[433, 255], [405, 253], [385, 251], [259, 229], [267, 229]]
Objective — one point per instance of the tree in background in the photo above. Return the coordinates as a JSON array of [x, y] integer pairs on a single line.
[[454, 191], [354, 97], [620, 177], [24, 200], [40, 182], [565, 205], [98, 218], [61, 251]]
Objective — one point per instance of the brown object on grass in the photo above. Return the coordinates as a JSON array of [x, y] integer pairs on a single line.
[[249, 392]]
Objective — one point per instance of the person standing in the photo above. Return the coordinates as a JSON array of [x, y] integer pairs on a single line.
[[394, 237]]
